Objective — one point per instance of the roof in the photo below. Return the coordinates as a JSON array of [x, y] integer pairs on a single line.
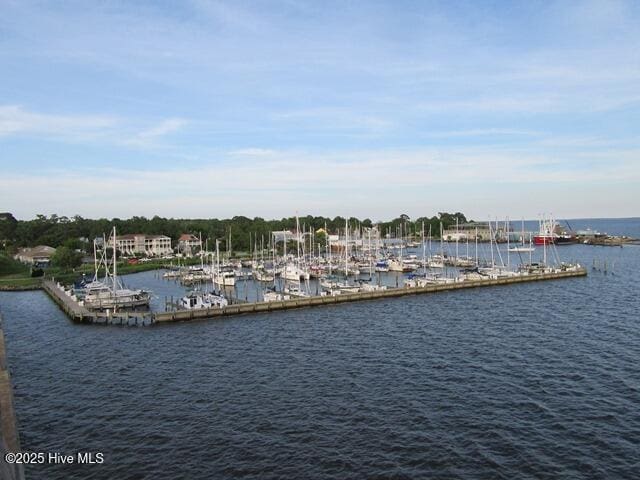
[[39, 251], [132, 236], [187, 236]]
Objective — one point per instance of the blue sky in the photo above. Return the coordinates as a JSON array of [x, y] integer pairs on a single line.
[[369, 109]]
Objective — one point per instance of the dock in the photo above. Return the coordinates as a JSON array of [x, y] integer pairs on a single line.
[[77, 312], [66, 302]]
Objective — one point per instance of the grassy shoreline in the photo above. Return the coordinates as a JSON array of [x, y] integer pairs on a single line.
[[15, 277]]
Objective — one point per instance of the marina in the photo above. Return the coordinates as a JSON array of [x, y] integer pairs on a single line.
[[280, 278], [77, 312], [277, 279], [284, 280]]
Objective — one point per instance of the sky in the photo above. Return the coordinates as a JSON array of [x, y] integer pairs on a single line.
[[203, 109]]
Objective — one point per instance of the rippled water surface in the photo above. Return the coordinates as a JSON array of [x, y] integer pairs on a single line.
[[537, 380]]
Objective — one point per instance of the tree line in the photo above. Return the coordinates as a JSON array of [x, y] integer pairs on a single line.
[[57, 231]]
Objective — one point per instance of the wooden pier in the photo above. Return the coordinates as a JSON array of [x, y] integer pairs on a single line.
[[184, 315], [81, 314], [71, 307]]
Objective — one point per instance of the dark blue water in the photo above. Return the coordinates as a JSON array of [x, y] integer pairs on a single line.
[[527, 381]]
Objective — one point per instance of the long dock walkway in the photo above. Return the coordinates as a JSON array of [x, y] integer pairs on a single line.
[[66, 302], [79, 313], [183, 315]]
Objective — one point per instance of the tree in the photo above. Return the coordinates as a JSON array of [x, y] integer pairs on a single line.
[[321, 238], [65, 257], [75, 244], [8, 225]]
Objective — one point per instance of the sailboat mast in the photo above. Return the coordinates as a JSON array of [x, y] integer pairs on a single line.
[[491, 239], [217, 259], [298, 240], [329, 248], [370, 257], [457, 235], [508, 245], [424, 252], [477, 261], [115, 262], [346, 242]]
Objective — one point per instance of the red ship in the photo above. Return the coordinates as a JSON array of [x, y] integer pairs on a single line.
[[546, 239], [551, 233]]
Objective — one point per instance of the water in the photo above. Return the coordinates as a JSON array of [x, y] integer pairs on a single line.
[[629, 227], [537, 380]]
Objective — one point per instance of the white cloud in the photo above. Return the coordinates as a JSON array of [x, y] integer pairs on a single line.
[[364, 183], [252, 152], [163, 128], [15, 120], [481, 132], [148, 137]]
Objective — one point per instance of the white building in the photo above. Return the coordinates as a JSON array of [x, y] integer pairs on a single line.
[[468, 231], [40, 255], [139, 243], [189, 243]]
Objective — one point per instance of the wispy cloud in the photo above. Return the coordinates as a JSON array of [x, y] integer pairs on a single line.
[[484, 132], [336, 119], [253, 152], [149, 136], [16, 120]]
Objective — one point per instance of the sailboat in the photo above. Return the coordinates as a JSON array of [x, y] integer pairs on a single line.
[[523, 247], [271, 293], [294, 273], [109, 293], [331, 283], [225, 276]]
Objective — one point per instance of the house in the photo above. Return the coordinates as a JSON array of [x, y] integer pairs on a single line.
[[189, 244], [141, 244], [37, 256]]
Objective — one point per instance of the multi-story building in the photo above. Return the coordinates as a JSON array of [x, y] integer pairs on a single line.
[[141, 244], [189, 244]]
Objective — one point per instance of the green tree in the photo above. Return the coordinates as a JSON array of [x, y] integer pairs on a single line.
[[66, 257], [8, 224]]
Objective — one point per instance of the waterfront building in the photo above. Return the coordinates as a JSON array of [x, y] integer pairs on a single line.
[[188, 244], [467, 231], [284, 235], [141, 244], [38, 256]]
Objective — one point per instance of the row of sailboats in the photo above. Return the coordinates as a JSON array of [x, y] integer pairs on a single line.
[[108, 292], [338, 274]]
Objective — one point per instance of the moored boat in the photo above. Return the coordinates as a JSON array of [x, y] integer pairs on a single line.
[[109, 293], [198, 300]]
